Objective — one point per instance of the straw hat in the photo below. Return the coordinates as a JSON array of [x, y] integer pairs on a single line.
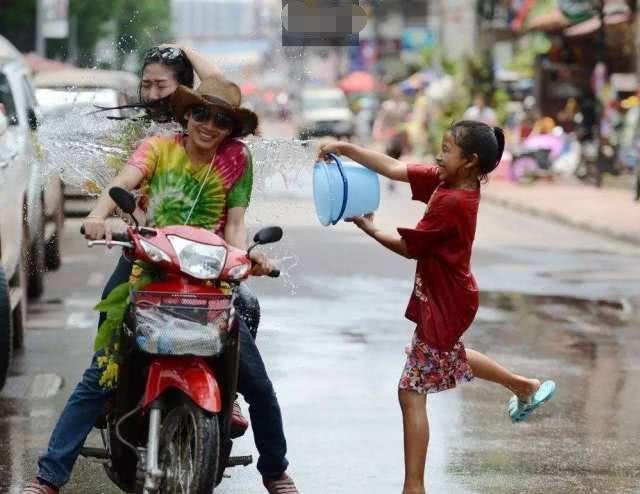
[[219, 93]]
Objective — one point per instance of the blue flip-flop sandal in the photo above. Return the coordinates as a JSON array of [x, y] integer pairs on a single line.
[[520, 410]]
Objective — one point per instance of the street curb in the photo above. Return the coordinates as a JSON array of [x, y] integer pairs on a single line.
[[562, 219]]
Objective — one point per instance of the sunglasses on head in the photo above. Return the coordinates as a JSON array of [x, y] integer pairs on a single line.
[[167, 54], [220, 119]]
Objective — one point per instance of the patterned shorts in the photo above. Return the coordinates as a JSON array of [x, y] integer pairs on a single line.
[[429, 370]]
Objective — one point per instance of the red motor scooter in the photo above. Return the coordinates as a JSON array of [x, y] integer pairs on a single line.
[[168, 427]]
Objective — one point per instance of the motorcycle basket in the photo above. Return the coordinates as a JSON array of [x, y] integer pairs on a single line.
[[180, 324]]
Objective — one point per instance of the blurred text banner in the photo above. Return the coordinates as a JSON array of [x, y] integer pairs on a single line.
[[322, 22]]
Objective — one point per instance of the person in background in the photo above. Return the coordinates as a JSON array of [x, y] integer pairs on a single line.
[[389, 125], [481, 112]]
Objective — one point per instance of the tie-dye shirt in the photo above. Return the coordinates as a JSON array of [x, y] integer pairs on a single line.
[[171, 182]]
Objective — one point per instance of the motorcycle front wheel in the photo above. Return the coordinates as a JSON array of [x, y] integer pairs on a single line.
[[189, 451]]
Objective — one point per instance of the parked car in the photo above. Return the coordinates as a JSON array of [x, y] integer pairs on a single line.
[[85, 86], [31, 204], [76, 89], [325, 111]]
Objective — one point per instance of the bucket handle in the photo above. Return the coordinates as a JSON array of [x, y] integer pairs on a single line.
[[345, 187]]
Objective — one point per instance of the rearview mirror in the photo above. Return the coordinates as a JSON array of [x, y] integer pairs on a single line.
[[123, 199], [268, 235]]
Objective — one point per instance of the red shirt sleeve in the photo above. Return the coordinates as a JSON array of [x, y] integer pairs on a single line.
[[436, 226], [424, 180]]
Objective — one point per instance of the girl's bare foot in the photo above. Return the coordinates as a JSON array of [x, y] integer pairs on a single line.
[[525, 388]]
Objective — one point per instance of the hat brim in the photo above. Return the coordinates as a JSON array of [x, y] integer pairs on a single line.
[[185, 98]]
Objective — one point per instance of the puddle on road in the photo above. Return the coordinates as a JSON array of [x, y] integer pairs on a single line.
[[584, 440], [607, 313]]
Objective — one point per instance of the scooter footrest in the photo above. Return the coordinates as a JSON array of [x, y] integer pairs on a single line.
[[239, 461], [99, 453]]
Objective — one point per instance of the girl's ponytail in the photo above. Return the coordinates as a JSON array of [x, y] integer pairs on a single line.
[[499, 133]]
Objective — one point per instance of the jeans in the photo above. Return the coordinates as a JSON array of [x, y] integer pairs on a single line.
[[87, 402]]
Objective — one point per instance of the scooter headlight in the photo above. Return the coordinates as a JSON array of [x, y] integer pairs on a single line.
[[155, 254], [201, 261]]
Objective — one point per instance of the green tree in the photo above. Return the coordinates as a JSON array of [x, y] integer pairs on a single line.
[[90, 19], [18, 23], [134, 25], [480, 74], [140, 24]]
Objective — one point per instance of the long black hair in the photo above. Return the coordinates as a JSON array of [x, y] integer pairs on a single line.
[[478, 138], [175, 60]]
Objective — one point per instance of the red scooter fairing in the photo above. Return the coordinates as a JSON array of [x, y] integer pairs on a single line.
[[171, 264], [191, 375]]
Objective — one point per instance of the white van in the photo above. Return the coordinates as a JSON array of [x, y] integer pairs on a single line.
[[31, 204]]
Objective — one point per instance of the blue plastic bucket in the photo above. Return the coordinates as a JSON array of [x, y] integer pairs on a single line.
[[344, 190]]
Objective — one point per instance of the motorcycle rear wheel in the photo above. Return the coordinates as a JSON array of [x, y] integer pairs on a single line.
[[189, 451]]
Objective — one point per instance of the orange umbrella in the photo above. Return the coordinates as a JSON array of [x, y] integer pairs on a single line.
[[358, 82]]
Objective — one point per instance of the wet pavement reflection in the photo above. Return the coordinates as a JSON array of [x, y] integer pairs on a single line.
[[334, 350]]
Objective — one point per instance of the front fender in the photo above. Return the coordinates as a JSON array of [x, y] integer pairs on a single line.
[[191, 375]]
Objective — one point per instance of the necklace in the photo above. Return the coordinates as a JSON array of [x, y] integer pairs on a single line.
[[195, 202]]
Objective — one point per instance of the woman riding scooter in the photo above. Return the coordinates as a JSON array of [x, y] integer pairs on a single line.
[[165, 68], [202, 177]]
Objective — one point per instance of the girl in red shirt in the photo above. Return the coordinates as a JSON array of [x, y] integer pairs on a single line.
[[445, 298]]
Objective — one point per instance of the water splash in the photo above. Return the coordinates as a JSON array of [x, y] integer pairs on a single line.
[[280, 159], [286, 265], [86, 150]]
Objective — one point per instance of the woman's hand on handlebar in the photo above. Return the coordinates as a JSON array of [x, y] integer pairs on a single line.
[[262, 266], [96, 228]]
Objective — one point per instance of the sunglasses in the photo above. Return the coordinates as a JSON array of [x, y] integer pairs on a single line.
[[220, 119], [168, 54]]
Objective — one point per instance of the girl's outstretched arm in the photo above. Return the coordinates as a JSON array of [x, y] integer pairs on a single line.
[[378, 162], [392, 242]]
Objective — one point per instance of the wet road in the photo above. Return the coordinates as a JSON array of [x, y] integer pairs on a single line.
[[556, 303], [332, 335]]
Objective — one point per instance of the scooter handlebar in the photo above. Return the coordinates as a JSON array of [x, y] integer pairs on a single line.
[[115, 236]]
